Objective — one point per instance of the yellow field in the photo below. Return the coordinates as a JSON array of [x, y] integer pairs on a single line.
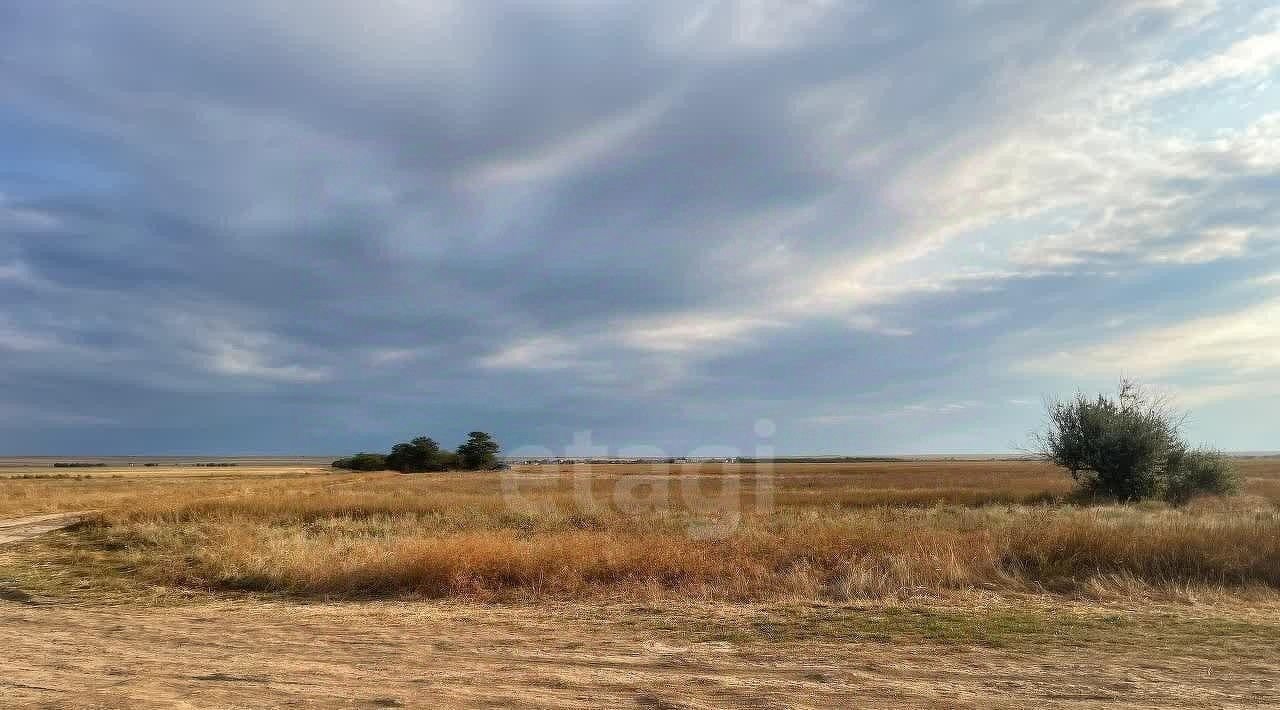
[[27, 489], [835, 532], [801, 585]]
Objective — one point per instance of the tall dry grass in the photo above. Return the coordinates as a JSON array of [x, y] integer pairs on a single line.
[[816, 534]]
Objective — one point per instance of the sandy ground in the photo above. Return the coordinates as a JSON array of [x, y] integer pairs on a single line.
[[19, 529], [268, 654]]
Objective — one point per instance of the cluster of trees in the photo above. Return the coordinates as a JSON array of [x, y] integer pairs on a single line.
[[1130, 447], [478, 453]]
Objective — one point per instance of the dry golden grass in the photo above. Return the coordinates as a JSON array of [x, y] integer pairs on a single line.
[[834, 532], [855, 556], [924, 584], [32, 489]]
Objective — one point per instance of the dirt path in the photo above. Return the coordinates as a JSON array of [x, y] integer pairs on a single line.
[[256, 654], [19, 529]]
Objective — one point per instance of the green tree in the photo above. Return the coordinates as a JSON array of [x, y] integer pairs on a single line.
[[479, 453], [1130, 447], [418, 456], [362, 462]]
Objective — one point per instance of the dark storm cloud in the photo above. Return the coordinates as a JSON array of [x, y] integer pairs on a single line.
[[352, 221]]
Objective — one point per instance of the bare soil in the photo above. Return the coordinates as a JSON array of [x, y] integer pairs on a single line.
[[256, 655], [19, 529]]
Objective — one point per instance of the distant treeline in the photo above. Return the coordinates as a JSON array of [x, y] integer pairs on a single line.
[[822, 459], [196, 465], [77, 464], [57, 477], [478, 453]]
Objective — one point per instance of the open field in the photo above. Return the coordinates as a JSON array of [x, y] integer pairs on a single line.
[[732, 533], [29, 488], [173, 462], [966, 583]]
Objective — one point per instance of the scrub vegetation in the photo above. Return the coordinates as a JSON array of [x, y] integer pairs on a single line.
[[725, 532], [1130, 447]]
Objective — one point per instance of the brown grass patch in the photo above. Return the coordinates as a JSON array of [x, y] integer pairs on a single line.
[[835, 533]]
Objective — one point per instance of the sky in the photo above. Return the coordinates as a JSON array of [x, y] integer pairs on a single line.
[[790, 226]]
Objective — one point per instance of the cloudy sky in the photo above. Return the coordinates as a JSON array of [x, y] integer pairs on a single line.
[[316, 227]]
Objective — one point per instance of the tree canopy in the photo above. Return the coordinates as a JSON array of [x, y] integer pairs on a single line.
[[478, 453], [1130, 447], [363, 462], [423, 454]]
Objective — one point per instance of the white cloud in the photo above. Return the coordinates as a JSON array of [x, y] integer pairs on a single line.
[[539, 353], [1192, 396], [585, 147], [872, 324], [225, 348], [239, 360], [1255, 56], [1085, 150], [1238, 344], [910, 410], [1212, 245], [21, 274], [755, 26], [14, 216], [381, 357], [21, 340], [689, 332]]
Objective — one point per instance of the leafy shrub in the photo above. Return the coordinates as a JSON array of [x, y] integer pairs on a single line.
[[1130, 448], [362, 462], [1191, 473]]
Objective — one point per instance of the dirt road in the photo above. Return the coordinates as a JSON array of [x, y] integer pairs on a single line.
[[19, 529], [245, 654]]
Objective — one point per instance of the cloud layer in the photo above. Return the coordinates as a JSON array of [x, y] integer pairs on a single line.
[[250, 226]]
